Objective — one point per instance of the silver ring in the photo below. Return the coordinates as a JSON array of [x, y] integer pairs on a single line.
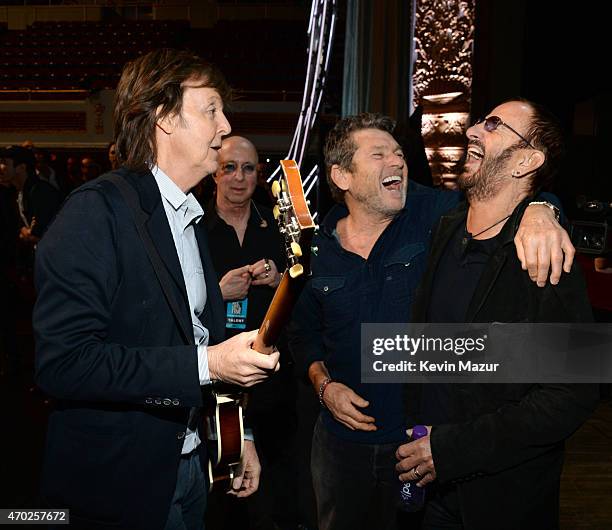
[[416, 472], [266, 274], [267, 266]]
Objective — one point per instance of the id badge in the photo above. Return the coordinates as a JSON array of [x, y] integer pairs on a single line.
[[236, 314]]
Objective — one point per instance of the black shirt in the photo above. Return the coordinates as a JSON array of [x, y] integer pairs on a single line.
[[259, 242], [459, 271]]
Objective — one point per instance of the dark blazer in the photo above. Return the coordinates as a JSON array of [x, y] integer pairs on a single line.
[[505, 450], [110, 351]]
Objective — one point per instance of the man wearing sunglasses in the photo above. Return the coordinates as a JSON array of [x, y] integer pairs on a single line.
[[247, 253], [250, 249], [495, 452]]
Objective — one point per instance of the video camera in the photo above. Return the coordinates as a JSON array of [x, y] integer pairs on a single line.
[[592, 234]]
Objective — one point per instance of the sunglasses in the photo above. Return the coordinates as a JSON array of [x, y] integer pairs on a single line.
[[491, 123], [230, 168]]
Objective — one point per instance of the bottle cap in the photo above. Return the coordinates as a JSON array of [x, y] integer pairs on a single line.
[[419, 431]]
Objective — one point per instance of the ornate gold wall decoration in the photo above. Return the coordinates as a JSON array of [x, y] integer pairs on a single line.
[[444, 43], [445, 128]]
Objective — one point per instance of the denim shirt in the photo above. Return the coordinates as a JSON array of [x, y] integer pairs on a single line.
[[346, 290]]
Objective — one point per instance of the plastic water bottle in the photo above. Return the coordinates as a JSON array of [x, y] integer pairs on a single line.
[[411, 497]]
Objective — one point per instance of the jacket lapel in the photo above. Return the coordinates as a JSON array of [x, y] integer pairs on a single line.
[[159, 230], [441, 236], [496, 262], [213, 317], [486, 283]]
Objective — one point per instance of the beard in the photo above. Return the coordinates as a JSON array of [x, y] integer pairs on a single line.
[[375, 203], [487, 180]]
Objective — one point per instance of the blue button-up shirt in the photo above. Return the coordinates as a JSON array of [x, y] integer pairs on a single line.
[[183, 212], [346, 290]]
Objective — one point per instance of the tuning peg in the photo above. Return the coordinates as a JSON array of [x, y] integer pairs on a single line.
[[276, 188], [276, 211], [296, 270], [296, 249]]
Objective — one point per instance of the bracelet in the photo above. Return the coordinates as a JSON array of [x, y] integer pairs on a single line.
[[549, 205], [322, 388]]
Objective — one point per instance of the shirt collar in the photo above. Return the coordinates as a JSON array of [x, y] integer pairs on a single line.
[[213, 218], [188, 204]]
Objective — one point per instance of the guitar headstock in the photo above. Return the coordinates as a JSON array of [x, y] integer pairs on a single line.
[[293, 215]]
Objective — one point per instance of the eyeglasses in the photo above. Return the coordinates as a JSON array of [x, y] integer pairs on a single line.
[[229, 168], [491, 123]]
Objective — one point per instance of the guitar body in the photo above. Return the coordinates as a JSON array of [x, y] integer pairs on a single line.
[[224, 424], [225, 430]]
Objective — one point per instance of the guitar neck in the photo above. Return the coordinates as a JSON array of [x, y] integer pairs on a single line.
[[296, 224], [278, 313]]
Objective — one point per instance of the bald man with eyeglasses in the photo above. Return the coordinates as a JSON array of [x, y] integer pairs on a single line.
[[247, 253], [233, 216]]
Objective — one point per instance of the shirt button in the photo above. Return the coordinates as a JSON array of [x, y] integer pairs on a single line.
[[180, 435], [326, 288], [407, 264], [166, 402]]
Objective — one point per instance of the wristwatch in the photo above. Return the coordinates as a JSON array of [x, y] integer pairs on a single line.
[[549, 205]]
